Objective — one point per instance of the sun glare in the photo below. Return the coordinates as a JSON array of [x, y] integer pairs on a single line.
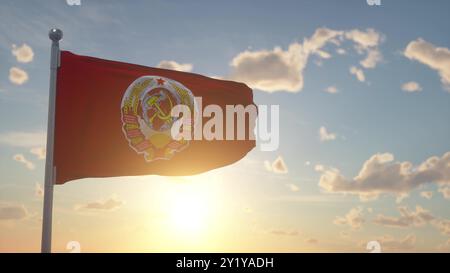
[[191, 205], [189, 213]]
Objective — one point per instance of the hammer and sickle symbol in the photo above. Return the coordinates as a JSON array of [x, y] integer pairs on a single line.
[[153, 102]]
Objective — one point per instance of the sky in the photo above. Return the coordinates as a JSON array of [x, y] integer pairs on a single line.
[[364, 97]]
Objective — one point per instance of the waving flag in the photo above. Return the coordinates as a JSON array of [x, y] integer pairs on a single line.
[[113, 119]]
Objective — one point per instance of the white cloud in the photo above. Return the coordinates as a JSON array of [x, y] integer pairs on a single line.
[[411, 87], [364, 39], [416, 218], [18, 76], [271, 70], [373, 58], [21, 158], [437, 58], [359, 73], [23, 53], [39, 152], [319, 39], [366, 42], [445, 192], [23, 139], [407, 218], [108, 204], [319, 168], [172, 65], [354, 218], [324, 135], [427, 194], [323, 54], [380, 174], [443, 226], [293, 187], [12, 212], [400, 197], [331, 89], [277, 166], [407, 243], [282, 70]]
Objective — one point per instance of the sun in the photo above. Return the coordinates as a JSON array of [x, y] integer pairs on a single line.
[[191, 206], [189, 213]]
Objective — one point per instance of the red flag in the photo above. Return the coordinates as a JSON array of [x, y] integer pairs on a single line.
[[112, 119]]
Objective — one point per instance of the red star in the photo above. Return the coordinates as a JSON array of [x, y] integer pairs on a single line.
[[160, 81]]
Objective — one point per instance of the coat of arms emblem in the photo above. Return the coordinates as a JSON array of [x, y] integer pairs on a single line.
[[146, 118]]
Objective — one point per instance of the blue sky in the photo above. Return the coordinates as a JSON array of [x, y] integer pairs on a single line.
[[366, 117]]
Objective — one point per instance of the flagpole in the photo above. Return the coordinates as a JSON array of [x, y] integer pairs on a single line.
[[46, 243]]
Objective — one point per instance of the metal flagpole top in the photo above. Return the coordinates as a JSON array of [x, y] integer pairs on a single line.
[[55, 34]]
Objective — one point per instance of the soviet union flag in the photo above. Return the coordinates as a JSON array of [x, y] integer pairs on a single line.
[[111, 119]]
